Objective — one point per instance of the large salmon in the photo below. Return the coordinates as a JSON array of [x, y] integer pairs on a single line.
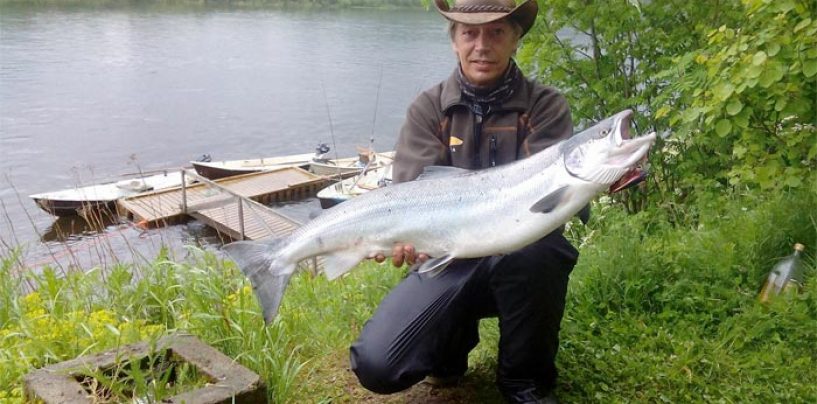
[[452, 213]]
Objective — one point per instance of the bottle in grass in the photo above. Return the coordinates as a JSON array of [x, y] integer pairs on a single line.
[[786, 276]]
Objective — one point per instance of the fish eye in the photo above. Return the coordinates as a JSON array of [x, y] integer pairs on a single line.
[[605, 132]]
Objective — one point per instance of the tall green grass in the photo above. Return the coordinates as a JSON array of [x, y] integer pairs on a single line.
[[659, 309], [661, 312]]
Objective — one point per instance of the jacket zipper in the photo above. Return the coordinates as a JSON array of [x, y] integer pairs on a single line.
[[492, 155], [477, 161]]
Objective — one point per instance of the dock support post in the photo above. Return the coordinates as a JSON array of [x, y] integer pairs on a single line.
[[241, 218], [184, 194]]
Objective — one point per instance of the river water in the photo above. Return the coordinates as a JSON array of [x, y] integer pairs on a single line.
[[89, 94]]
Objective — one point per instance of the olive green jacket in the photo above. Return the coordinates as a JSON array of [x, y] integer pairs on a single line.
[[440, 129]]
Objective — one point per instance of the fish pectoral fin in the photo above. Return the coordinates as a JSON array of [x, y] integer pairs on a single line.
[[550, 201], [432, 172], [339, 263], [433, 266]]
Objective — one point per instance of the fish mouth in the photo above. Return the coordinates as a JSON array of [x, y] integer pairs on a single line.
[[631, 178], [622, 127], [638, 149], [625, 143]]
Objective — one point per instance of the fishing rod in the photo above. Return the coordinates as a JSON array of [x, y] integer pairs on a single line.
[[371, 137], [331, 127]]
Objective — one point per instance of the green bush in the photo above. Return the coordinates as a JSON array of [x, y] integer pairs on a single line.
[[606, 55], [744, 105]]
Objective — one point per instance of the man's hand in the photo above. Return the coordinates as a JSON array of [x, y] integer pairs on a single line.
[[401, 253]]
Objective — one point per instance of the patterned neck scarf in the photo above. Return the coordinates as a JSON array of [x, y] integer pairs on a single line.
[[481, 98]]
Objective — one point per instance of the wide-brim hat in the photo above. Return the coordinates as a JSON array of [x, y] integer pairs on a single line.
[[474, 12]]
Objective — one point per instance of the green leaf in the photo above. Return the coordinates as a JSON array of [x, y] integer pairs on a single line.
[[734, 107], [780, 104], [759, 58], [793, 181], [797, 106], [739, 151], [810, 67], [691, 115], [753, 71], [767, 175], [784, 5], [772, 74], [112, 329], [662, 112], [773, 49], [723, 91], [723, 127], [802, 24]]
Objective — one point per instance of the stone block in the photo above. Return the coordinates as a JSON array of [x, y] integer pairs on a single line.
[[227, 381]]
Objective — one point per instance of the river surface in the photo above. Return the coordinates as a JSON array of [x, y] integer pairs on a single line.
[[87, 95]]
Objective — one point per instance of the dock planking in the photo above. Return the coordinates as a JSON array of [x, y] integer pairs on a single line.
[[258, 223], [166, 206]]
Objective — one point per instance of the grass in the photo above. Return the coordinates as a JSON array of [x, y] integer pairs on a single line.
[[659, 309], [150, 379]]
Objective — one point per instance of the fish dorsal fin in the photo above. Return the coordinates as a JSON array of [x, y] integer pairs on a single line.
[[339, 263], [432, 172], [549, 202], [433, 266]]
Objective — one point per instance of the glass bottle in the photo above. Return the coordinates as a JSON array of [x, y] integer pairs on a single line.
[[786, 276]]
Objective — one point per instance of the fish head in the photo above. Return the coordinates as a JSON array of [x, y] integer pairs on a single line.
[[606, 154]]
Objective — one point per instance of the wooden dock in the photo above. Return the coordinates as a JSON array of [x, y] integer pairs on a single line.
[[215, 202], [246, 222]]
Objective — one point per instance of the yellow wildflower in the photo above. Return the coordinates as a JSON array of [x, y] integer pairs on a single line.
[[32, 301]]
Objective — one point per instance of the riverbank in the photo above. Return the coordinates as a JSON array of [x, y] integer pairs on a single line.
[[656, 311]]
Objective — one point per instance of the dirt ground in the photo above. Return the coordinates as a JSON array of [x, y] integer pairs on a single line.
[[476, 387]]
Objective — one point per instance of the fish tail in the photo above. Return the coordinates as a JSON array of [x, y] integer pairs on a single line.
[[268, 275]]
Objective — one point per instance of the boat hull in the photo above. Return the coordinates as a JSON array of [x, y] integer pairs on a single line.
[[100, 197], [349, 188], [221, 169], [331, 170], [73, 208], [215, 173], [349, 167]]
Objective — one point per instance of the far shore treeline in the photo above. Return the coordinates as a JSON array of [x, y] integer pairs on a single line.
[[222, 3]]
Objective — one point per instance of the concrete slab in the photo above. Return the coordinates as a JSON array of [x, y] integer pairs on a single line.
[[228, 381]]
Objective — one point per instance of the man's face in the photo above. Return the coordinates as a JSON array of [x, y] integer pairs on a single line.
[[484, 50]]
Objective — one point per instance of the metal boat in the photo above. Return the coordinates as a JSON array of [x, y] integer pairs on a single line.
[[351, 187], [220, 169], [83, 199]]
